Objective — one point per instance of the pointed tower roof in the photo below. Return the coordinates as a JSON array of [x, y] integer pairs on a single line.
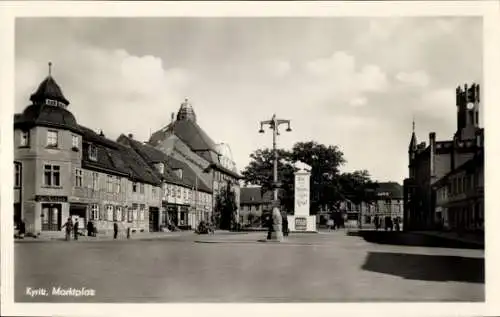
[[43, 113], [413, 141]]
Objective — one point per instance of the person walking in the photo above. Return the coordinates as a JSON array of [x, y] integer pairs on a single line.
[[90, 229], [75, 229], [329, 224], [115, 229], [22, 229], [69, 227]]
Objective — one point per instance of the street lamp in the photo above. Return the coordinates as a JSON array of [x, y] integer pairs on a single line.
[[274, 124]]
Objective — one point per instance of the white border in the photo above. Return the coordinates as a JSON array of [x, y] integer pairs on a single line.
[[488, 9]]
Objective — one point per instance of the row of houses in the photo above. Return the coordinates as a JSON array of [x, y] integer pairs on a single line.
[[445, 187], [63, 169], [388, 203]]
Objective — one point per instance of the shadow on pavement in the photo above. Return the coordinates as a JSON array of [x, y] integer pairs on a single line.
[[426, 267], [412, 239]]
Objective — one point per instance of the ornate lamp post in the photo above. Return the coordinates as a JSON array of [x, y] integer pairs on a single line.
[[274, 124]]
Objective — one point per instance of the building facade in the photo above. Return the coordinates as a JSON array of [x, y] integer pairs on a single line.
[[428, 164], [185, 141], [62, 170], [253, 204], [388, 204]]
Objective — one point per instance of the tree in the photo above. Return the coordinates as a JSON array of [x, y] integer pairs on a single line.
[[225, 208], [325, 162]]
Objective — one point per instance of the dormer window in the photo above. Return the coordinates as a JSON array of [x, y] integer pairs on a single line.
[[24, 138], [51, 102], [160, 167], [52, 138], [93, 152]]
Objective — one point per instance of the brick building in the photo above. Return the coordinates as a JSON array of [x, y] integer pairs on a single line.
[[428, 164], [63, 169]]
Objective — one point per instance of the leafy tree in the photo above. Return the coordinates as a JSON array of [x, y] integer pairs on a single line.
[[225, 208], [328, 185]]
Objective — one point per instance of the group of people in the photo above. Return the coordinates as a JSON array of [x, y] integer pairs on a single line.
[[71, 227], [390, 224]]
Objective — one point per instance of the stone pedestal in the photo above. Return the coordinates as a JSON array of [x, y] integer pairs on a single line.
[[277, 234], [301, 221]]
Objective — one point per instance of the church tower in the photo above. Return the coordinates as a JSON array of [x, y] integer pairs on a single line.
[[467, 101], [412, 149]]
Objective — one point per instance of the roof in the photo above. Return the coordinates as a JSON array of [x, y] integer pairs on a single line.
[[189, 132], [116, 158], [254, 195], [188, 175], [394, 189], [49, 89], [152, 156], [44, 115], [474, 162]]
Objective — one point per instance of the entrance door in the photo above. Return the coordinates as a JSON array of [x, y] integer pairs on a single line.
[[78, 212], [154, 217], [51, 217]]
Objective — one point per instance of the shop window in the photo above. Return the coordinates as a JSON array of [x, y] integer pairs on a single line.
[[94, 212], [109, 213]]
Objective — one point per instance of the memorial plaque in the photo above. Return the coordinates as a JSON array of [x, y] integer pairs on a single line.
[[301, 224]]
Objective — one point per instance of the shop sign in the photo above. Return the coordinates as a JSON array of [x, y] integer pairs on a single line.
[[52, 199], [301, 224]]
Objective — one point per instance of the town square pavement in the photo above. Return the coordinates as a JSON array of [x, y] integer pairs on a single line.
[[323, 267]]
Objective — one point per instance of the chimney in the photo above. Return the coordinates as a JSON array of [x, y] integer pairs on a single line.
[[101, 134], [432, 144], [131, 136]]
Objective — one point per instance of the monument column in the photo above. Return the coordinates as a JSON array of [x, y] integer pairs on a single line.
[[302, 221]]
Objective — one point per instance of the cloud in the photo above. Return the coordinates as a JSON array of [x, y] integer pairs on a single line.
[[278, 68], [437, 103], [358, 102], [115, 84], [418, 78]]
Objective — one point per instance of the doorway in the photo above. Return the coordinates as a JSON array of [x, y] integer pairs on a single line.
[[78, 212], [51, 217], [154, 217]]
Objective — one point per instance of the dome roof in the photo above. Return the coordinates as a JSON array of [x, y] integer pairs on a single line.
[[48, 89], [186, 111], [47, 116]]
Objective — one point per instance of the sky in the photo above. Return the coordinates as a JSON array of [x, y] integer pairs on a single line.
[[352, 82]]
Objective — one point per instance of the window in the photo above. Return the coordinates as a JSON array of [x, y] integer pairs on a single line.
[[52, 138], [94, 212], [118, 184], [142, 211], [124, 213], [134, 187], [178, 192], [17, 174], [93, 152], [95, 181], [52, 175], [51, 102], [74, 141], [117, 216], [135, 209], [109, 182], [78, 177], [141, 188], [25, 138], [109, 212], [153, 192], [130, 214]]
